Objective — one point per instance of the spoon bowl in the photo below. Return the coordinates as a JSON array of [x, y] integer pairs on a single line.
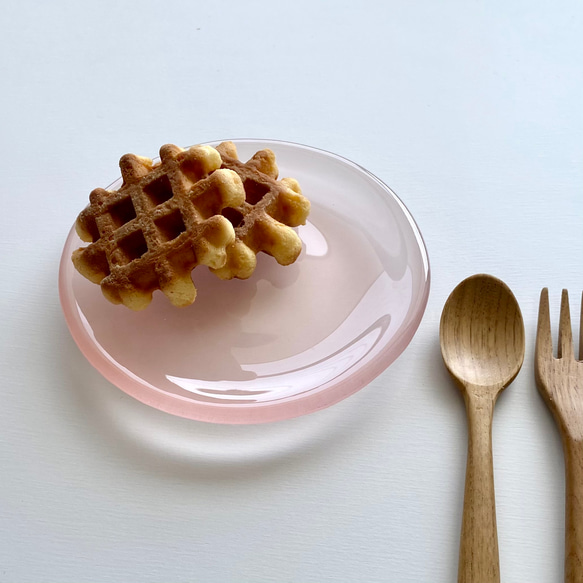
[[482, 344], [482, 333]]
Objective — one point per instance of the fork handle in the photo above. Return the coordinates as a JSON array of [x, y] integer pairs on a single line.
[[573, 511], [478, 559]]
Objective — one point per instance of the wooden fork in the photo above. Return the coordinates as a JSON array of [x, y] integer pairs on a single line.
[[560, 382]]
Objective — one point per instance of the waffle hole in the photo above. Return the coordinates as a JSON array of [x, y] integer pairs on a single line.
[[171, 225], [182, 260], [133, 246], [98, 260], [192, 169], [145, 278], [159, 190], [233, 215], [254, 191], [122, 212], [90, 225]]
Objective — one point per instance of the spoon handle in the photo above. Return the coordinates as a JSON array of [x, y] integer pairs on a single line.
[[478, 560], [573, 511]]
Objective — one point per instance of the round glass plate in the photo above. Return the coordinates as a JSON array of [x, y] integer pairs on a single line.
[[287, 341]]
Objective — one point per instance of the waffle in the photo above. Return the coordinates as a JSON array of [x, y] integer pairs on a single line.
[[163, 221], [264, 219]]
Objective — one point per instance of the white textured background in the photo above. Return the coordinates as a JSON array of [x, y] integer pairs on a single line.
[[471, 111]]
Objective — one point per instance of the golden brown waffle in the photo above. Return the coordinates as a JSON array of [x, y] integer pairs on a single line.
[[163, 221], [264, 219]]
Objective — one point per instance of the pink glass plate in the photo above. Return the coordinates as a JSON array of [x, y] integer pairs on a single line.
[[287, 341]]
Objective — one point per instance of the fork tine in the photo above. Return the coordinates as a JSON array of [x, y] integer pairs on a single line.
[[544, 341], [565, 333]]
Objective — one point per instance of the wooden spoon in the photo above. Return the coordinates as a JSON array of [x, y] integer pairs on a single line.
[[482, 344]]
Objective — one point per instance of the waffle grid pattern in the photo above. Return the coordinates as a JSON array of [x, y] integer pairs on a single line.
[[200, 206], [161, 223]]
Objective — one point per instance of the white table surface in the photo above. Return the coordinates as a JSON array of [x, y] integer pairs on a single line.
[[471, 112]]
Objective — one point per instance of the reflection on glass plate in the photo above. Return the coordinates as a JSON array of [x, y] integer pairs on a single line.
[[287, 341]]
